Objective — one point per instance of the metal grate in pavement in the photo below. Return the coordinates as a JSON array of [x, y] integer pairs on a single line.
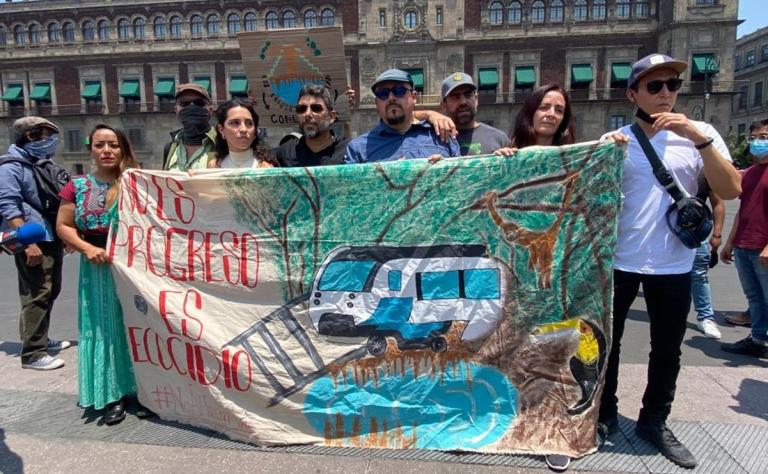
[[719, 447]]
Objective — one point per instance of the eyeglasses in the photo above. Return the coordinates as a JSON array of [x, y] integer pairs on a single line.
[[398, 91], [302, 108], [654, 87], [197, 102], [762, 136]]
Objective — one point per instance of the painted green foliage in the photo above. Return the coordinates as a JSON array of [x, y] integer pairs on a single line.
[[548, 214]]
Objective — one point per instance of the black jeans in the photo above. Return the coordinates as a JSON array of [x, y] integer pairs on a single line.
[[668, 299], [38, 288]]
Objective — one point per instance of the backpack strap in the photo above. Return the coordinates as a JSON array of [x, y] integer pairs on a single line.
[[659, 171]]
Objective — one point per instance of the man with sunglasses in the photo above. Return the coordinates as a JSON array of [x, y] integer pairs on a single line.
[[194, 144], [399, 134], [318, 145], [647, 250]]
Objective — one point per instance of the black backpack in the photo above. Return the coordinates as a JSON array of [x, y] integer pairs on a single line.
[[50, 179]]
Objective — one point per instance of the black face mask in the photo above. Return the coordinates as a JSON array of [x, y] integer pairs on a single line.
[[196, 122], [644, 116]]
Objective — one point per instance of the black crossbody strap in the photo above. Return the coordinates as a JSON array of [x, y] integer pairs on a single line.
[[661, 173]]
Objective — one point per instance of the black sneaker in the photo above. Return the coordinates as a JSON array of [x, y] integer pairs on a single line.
[[746, 346], [607, 426], [661, 437], [557, 462]]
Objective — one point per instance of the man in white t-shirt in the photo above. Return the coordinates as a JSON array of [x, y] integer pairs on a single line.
[[649, 253]]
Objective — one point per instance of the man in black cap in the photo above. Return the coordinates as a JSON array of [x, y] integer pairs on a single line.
[[195, 144], [649, 251], [39, 265], [399, 134]]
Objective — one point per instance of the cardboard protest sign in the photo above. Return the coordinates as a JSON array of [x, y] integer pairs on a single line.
[[459, 305], [279, 63]]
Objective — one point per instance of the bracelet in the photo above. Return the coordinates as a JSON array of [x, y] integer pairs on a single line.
[[701, 146]]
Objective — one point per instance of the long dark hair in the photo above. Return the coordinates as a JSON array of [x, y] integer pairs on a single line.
[[222, 149], [127, 159], [524, 135]]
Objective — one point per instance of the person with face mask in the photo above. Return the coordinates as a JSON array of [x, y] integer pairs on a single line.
[[747, 244], [194, 145], [39, 265], [318, 145]]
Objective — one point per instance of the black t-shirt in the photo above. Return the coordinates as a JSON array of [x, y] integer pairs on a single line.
[[297, 153]]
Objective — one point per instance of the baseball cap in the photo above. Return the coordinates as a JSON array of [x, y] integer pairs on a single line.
[[193, 87], [25, 124], [455, 80], [643, 66], [392, 75]]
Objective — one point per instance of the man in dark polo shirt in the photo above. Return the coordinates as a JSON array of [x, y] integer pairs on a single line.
[[318, 145]]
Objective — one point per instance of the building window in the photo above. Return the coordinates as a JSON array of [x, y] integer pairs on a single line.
[[705, 2], [271, 21], [250, 21], [749, 59], [496, 13], [581, 76], [310, 18], [514, 14], [103, 30], [123, 29], [598, 10], [238, 86], [34, 34], [212, 25], [556, 12], [289, 19], [580, 10], [136, 137], [91, 92], [41, 93], [68, 32], [737, 62], [537, 12], [14, 94], [764, 53], [54, 33], [417, 76], [19, 35], [196, 26], [382, 17], [758, 96], [642, 9], [525, 80], [487, 81], [3, 39], [741, 130], [620, 75], [233, 24], [439, 16], [704, 67], [411, 19], [74, 142], [88, 31], [139, 28], [327, 17], [743, 97], [159, 27], [623, 8], [617, 121], [130, 92], [175, 27]]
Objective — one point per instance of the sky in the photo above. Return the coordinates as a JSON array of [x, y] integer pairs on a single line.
[[753, 15]]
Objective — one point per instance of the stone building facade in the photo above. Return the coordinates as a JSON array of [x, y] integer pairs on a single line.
[[751, 70], [118, 61]]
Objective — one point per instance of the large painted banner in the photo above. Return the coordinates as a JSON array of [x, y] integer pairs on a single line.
[[462, 305]]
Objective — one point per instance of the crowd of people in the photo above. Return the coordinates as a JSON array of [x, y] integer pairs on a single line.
[[652, 250]]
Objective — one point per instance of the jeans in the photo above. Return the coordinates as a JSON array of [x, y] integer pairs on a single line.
[[668, 299], [700, 290], [754, 282]]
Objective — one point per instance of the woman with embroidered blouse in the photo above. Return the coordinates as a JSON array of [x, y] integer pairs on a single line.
[[104, 372], [237, 139]]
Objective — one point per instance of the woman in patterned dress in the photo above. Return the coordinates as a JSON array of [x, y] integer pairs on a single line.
[[104, 372]]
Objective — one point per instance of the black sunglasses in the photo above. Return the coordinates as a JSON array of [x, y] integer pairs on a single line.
[[302, 108], [399, 92], [654, 87], [198, 102]]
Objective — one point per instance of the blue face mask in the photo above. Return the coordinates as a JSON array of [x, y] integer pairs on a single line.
[[43, 149], [759, 149]]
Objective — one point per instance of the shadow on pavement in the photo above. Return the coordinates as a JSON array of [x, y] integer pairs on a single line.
[[751, 399], [711, 348], [9, 461], [10, 348]]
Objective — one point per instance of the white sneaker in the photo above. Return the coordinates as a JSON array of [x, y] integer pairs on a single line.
[[709, 328], [44, 363], [54, 345]]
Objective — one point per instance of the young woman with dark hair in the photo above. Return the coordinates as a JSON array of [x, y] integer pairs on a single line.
[[237, 138]]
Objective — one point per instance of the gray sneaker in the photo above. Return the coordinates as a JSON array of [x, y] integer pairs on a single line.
[[54, 345], [46, 362]]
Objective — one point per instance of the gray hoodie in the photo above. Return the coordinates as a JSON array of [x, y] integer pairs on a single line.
[[17, 189]]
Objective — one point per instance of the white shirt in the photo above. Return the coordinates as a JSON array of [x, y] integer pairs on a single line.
[[645, 243], [240, 159]]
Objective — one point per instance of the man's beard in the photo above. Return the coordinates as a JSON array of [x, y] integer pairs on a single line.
[[395, 120], [318, 129], [464, 117]]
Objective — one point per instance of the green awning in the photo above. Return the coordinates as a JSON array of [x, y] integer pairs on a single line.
[[165, 88], [525, 76], [130, 89], [488, 78], [92, 90], [620, 72], [705, 64], [417, 75], [41, 92], [203, 82], [581, 73], [238, 85], [13, 93]]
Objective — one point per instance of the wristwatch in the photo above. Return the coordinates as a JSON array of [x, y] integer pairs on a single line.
[[706, 143]]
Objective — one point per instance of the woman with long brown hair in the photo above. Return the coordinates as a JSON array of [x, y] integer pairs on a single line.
[[545, 119], [104, 372]]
